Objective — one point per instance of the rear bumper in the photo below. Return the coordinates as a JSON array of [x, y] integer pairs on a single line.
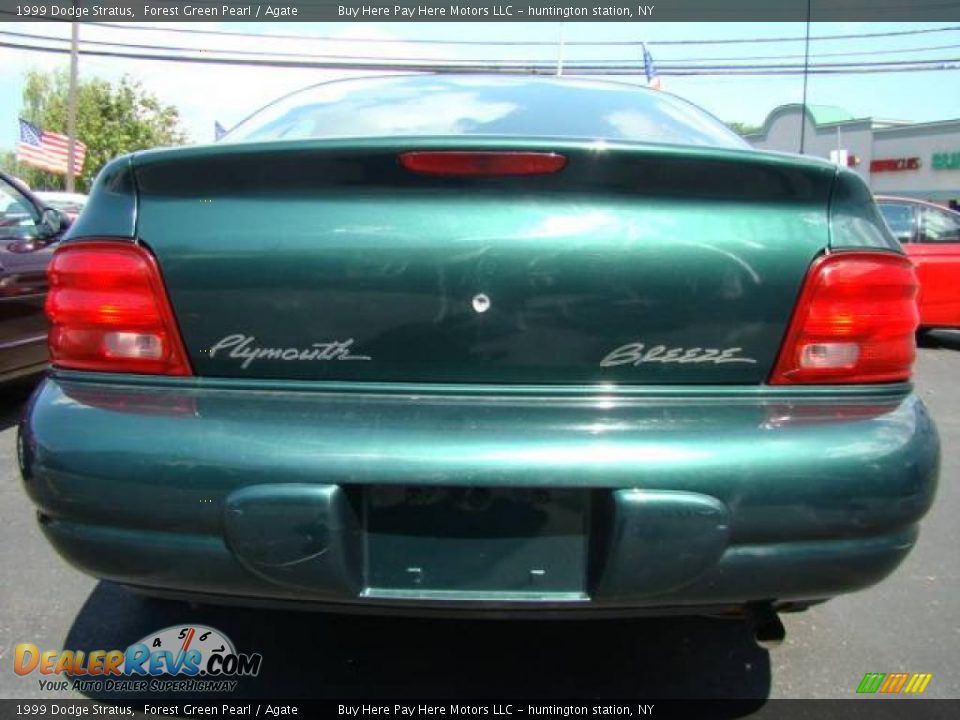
[[574, 502]]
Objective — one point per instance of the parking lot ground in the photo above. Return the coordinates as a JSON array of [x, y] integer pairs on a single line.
[[909, 623]]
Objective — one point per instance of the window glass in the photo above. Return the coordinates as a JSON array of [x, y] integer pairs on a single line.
[[430, 105], [18, 216], [938, 226], [71, 207], [899, 218]]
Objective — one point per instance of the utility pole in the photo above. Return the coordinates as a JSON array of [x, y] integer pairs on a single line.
[[806, 75], [72, 104], [560, 53]]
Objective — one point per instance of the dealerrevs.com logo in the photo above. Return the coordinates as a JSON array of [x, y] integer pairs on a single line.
[[180, 658]]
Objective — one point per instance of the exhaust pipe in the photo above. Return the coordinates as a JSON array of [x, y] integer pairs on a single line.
[[768, 631]]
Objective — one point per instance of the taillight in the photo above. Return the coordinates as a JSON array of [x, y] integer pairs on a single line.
[[109, 311], [481, 163], [854, 322]]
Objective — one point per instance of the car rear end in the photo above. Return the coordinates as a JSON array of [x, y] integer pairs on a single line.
[[482, 372]]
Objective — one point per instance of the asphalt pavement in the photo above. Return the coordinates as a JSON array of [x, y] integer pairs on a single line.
[[908, 623]]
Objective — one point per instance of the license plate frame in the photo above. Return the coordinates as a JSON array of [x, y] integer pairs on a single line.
[[476, 543]]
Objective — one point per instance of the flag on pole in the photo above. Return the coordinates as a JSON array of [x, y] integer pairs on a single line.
[[48, 150], [218, 131], [653, 80]]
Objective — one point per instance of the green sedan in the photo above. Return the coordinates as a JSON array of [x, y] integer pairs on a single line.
[[490, 345]]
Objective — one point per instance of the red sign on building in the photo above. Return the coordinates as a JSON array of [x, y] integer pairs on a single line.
[[895, 164]]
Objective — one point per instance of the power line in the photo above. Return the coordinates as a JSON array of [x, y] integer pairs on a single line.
[[814, 70], [799, 66], [676, 62], [180, 48], [813, 38], [846, 53], [524, 68], [551, 43]]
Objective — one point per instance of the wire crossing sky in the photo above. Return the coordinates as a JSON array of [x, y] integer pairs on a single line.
[[683, 66]]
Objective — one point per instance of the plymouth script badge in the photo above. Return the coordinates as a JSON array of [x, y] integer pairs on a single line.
[[244, 347]]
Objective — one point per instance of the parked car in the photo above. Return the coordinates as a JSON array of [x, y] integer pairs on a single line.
[[71, 204], [485, 345], [28, 234], [930, 234]]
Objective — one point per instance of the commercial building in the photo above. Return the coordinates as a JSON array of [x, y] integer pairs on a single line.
[[919, 160]]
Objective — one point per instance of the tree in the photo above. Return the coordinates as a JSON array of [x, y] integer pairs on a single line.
[[112, 119], [743, 128], [8, 162]]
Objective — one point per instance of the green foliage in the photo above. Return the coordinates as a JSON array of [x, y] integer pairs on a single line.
[[743, 128], [112, 119], [8, 162]]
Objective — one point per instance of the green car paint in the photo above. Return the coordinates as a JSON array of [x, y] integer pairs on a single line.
[[779, 495], [495, 452], [113, 212], [607, 253]]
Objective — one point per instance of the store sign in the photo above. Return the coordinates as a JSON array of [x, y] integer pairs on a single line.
[[844, 158], [946, 161], [894, 164]]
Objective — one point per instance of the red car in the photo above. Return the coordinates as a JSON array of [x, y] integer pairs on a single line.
[[931, 236]]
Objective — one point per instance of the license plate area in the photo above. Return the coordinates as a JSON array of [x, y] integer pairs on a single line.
[[475, 543]]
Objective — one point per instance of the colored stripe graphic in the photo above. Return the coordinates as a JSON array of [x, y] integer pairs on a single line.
[[893, 683], [871, 682], [918, 683]]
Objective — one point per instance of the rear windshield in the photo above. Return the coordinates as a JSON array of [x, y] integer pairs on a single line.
[[480, 105]]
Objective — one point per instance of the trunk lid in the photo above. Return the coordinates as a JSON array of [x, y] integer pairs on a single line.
[[326, 260]]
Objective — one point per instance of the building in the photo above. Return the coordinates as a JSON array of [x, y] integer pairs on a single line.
[[920, 160]]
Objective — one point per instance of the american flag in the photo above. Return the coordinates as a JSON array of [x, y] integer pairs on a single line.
[[48, 150], [653, 80]]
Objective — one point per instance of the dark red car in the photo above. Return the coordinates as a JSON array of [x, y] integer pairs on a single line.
[[931, 236]]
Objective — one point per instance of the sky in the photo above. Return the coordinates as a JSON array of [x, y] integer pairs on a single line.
[[204, 93]]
